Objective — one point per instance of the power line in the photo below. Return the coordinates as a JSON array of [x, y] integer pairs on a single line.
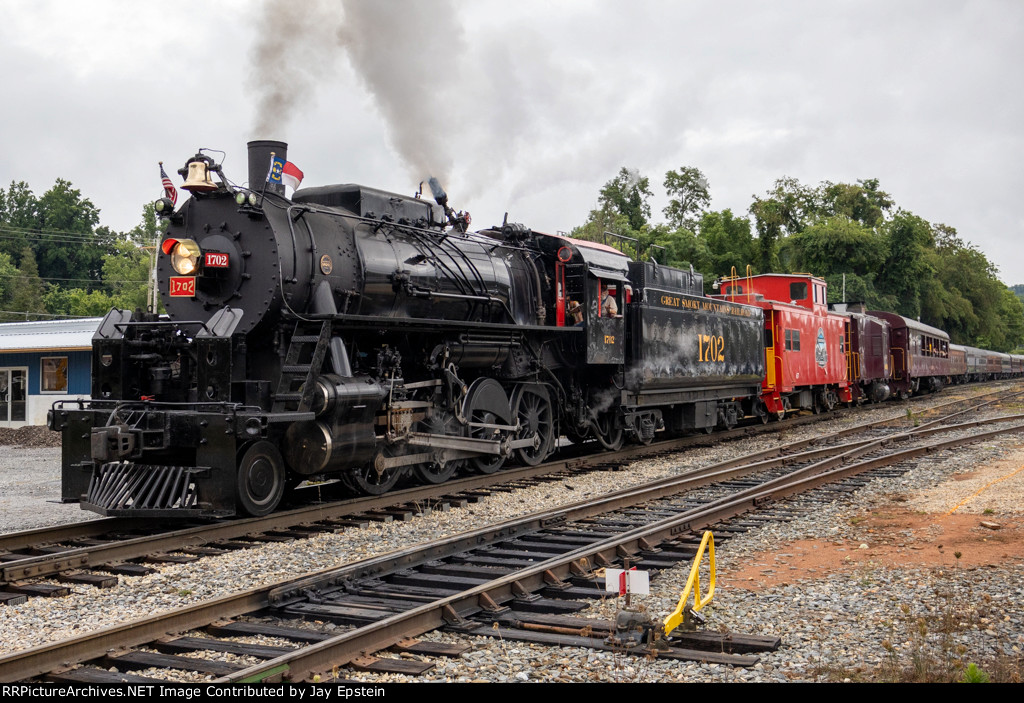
[[75, 280], [43, 314]]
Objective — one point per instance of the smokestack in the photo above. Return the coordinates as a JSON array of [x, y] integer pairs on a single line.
[[259, 164]]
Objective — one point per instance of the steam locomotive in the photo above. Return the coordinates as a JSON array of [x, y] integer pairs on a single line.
[[354, 334], [370, 337]]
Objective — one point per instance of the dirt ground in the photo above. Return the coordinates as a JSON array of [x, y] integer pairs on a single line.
[[973, 520]]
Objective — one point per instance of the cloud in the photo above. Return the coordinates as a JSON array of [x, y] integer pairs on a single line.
[[531, 106]]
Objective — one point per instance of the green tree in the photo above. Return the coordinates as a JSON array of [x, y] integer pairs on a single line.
[[689, 197], [729, 243], [627, 195], [1011, 311], [9, 280], [768, 219], [1018, 290], [127, 269], [863, 203], [67, 247], [906, 265], [622, 208], [27, 298], [19, 218], [964, 296], [838, 244]]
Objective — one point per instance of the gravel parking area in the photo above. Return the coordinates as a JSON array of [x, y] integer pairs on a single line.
[[30, 490], [848, 587]]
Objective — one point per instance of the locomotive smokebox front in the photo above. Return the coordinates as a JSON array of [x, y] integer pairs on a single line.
[[224, 249]]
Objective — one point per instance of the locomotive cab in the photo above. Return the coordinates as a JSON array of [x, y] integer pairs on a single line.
[[591, 287]]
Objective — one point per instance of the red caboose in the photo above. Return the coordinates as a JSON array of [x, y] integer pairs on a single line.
[[805, 344]]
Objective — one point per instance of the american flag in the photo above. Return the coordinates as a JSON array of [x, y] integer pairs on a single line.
[[169, 190]]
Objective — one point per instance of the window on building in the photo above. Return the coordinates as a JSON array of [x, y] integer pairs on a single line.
[[54, 374]]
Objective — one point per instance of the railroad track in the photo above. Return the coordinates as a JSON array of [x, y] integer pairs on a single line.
[[467, 580], [123, 546]]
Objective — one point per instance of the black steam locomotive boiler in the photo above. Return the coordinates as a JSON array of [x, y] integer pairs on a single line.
[[362, 335]]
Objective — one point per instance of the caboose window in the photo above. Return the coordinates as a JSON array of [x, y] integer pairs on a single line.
[[793, 340], [798, 291]]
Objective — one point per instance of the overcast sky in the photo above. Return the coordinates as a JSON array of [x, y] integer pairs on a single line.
[[530, 107]]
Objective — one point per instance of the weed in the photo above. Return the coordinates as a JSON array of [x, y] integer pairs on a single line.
[[988, 511], [924, 644], [974, 675], [185, 592]]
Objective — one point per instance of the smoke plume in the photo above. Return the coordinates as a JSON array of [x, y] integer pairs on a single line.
[[407, 54], [294, 52]]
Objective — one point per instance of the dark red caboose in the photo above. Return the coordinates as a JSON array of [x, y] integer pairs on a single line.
[[805, 344], [867, 353]]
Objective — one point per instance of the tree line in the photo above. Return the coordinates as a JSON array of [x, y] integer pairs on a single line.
[[56, 260], [852, 235]]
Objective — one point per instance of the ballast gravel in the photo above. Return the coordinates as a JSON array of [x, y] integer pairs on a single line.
[[843, 625]]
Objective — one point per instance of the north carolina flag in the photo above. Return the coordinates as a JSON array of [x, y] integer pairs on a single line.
[[291, 176], [276, 169], [284, 172]]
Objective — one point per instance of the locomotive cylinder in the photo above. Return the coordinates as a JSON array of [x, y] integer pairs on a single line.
[[343, 434]]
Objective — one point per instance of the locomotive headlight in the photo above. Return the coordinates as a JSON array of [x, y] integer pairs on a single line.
[[240, 197], [185, 255]]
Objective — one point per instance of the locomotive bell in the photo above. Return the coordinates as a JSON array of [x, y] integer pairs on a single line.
[[198, 178]]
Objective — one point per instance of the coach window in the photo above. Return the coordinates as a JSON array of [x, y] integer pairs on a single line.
[[54, 374], [798, 290]]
